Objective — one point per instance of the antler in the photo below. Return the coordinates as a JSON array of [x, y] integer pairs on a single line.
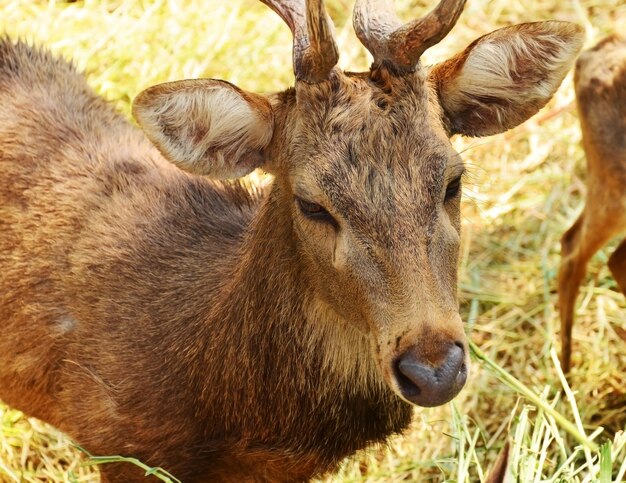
[[380, 30], [314, 50]]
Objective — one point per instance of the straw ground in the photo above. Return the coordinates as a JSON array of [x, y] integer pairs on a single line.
[[523, 190]]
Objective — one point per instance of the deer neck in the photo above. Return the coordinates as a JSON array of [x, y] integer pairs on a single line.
[[276, 299]]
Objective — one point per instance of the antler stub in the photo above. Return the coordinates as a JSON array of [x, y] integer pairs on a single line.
[[314, 49], [401, 45]]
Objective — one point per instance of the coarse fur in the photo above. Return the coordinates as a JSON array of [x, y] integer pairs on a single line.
[[209, 327], [600, 81]]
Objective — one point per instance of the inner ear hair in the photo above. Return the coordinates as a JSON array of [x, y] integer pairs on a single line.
[[206, 126], [504, 77]]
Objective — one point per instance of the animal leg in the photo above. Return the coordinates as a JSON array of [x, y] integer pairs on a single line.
[[617, 265], [578, 245]]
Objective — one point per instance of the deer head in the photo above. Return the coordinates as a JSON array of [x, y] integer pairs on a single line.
[[364, 169]]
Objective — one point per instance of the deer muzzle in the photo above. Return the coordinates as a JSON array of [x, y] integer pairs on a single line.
[[426, 384]]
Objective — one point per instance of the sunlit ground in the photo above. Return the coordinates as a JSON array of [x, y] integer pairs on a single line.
[[524, 189]]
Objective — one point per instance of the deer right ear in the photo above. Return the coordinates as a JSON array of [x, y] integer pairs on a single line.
[[206, 126], [505, 77]]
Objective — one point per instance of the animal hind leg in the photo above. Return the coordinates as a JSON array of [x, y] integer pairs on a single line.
[[617, 265], [578, 245], [570, 276]]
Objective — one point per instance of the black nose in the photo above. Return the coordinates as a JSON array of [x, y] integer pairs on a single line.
[[429, 386]]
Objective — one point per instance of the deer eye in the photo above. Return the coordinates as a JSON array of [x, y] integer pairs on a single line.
[[316, 212], [453, 188]]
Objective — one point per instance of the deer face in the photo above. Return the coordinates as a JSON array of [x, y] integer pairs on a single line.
[[364, 165], [374, 189]]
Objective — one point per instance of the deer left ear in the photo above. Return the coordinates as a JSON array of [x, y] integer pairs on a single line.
[[207, 126], [505, 77]]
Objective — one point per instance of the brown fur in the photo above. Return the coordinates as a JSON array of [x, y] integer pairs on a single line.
[[601, 95], [204, 326]]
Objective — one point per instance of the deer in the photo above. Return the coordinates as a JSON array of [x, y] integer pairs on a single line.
[[600, 86], [157, 305]]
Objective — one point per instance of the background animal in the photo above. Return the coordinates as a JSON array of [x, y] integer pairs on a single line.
[[600, 83], [522, 189]]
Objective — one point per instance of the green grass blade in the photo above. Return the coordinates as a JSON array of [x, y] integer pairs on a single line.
[[523, 390]]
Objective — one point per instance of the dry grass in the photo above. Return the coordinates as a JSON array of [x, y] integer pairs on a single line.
[[524, 189]]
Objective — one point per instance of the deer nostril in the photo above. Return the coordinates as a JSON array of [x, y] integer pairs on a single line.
[[408, 387], [425, 385]]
